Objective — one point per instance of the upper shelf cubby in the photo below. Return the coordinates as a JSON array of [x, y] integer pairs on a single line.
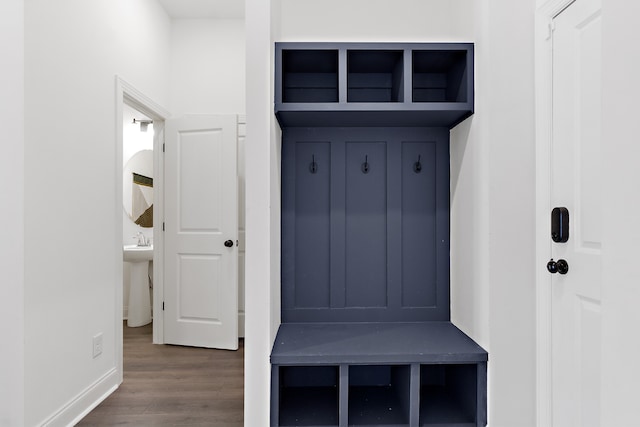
[[375, 76], [309, 75], [373, 84], [439, 76]]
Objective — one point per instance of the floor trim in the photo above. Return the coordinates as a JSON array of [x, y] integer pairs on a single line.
[[85, 402]]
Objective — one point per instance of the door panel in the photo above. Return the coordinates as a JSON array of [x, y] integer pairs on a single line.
[[201, 200], [575, 183]]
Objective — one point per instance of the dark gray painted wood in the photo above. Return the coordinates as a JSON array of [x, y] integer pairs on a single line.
[[379, 251], [344, 395], [308, 396], [448, 394], [275, 396], [482, 395], [373, 343], [414, 397], [418, 190], [373, 84], [371, 249], [379, 395], [312, 224], [366, 225]]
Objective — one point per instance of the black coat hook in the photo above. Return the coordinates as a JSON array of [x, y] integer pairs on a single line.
[[313, 166], [365, 165], [417, 166]]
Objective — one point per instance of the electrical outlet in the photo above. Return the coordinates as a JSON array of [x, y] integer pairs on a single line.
[[97, 345]]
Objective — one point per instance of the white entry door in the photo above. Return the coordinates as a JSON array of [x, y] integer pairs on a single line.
[[575, 185], [201, 227]]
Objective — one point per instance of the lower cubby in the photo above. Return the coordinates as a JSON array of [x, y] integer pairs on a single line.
[[308, 396], [449, 395], [379, 395]]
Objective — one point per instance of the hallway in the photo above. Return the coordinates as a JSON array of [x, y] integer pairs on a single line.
[[174, 386]]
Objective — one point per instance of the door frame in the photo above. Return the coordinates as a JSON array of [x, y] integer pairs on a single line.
[[128, 94], [543, 124]]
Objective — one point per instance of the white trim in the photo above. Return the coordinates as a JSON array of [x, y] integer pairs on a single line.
[[76, 409], [543, 109], [127, 93]]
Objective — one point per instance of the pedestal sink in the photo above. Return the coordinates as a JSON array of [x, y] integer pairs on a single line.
[[139, 299]]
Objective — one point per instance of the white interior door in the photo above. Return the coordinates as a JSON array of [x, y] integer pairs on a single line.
[[201, 227], [575, 184]]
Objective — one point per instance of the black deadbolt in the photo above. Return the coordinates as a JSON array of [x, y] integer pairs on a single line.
[[560, 225], [228, 243], [561, 266]]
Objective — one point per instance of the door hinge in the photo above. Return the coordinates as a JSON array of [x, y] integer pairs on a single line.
[[551, 27], [163, 226], [163, 147], [162, 305]]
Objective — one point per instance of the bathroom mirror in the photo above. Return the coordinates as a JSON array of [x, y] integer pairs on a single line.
[[137, 191]]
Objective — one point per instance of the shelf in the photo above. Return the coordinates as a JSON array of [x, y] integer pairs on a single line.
[[439, 76], [373, 84], [310, 76], [375, 76], [308, 396], [379, 395], [361, 343]]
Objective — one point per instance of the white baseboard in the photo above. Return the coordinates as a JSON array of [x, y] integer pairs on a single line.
[[85, 402]]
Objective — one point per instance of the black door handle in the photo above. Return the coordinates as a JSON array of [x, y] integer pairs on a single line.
[[561, 266], [228, 243]]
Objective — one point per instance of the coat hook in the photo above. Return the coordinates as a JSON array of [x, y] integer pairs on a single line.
[[365, 165], [417, 166], [313, 167]]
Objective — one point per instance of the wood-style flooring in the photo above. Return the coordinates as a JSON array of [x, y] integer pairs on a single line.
[[168, 385]]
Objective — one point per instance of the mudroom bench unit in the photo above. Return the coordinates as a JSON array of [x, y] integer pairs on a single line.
[[366, 337]]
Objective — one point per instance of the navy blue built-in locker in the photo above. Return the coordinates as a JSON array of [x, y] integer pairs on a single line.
[[366, 337]]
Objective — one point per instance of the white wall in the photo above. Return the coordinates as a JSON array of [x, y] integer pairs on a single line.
[[11, 214], [621, 203], [376, 20], [73, 50], [262, 210], [492, 202], [207, 66]]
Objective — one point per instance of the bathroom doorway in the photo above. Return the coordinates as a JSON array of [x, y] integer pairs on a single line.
[[137, 220], [147, 191]]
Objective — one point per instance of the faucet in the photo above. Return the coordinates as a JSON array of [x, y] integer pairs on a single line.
[[142, 239]]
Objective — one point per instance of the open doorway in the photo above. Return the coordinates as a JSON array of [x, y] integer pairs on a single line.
[[130, 104], [138, 214]]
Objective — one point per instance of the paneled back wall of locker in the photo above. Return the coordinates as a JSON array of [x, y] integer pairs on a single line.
[[365, 224]]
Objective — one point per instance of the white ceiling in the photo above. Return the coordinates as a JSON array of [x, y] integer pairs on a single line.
[[218, 9]]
